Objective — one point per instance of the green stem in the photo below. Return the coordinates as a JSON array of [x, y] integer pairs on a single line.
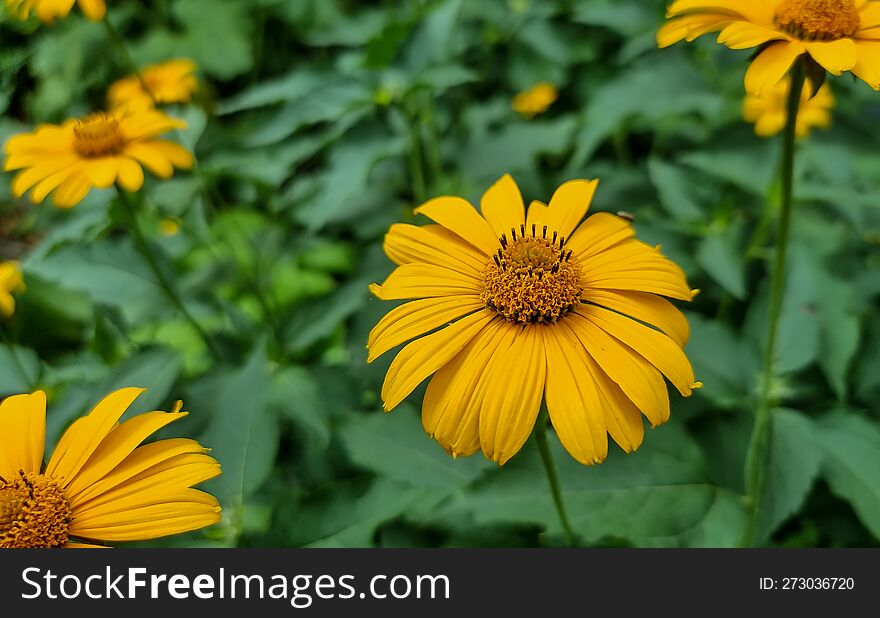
[[124, 54], [552, 478], [163, 281], [756, 459]]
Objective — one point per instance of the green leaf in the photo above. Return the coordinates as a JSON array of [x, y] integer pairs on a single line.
[[851, 446], [243, 431], [727, 365], [840, 330], [794, 460], [676, 190], [297, 396], [19, 370], [396, 447], [721, 255]]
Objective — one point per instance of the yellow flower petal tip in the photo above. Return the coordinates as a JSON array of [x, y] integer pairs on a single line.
[[101, 484], [508, 309], [94, 152], [838, 35], [697, 385], [695, 293], [536, 100]]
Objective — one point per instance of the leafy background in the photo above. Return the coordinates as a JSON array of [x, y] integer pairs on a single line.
[[320, 123]]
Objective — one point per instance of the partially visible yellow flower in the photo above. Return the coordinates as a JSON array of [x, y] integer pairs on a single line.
[[169, 82], [10, 281], [49, 10], [99, 485], [93, 152], [512, 308], [535, 100], [839, 35], [768, 111], [169, 227]]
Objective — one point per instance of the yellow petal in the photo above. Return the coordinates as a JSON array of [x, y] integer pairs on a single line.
[[458, 216], [572, 398], [647, 308], [502, 206], [632, 265], [653, 346], [514, 389], [424, 356], [84, 436], [598, 233], [432, 244], [150, 157], [569, 205], [118, 445], [73, 190], [131, 175], [22, 434], [635, 376], [771, 65], [416, 318], [743, 35], [835, 56], [93, 9], [622, 418], [426, 281], [450, 410]]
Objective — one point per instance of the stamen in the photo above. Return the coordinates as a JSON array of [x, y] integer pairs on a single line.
[[544, 234], [818, 20]]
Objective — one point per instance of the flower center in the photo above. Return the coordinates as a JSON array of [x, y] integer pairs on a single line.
[[34, 512], [97, 135], [532, 278], [818, 20]]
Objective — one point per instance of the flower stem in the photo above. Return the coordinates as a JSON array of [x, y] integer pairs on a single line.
[[122, 49], [759, 446], [552, 478], [163, 281]]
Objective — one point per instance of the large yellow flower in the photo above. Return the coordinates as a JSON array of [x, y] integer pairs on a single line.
[[515, 309], [10, 281], [93, 152], [769, 114], [169, 82], [535, 100], [49, 10], [99, 485], [840, 35]]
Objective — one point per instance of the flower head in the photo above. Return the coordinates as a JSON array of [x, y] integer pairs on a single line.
[[10, 281], [768, 111], [169, 82], [99, 484], [93, 152], [535, 100], [510, 309], [50, 10], [839, 35]]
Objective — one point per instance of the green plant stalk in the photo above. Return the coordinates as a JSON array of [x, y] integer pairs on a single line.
[[163, 281], [552, 478], [756, 458]]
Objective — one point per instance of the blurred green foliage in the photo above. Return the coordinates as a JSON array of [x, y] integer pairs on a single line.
[[321, 122]]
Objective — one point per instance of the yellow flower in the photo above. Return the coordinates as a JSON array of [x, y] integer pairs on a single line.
[[768, 111], [514, 309], [10, 281], [49, 10], [99, 485], [169, 227], [169, 82], [840, 35], [535, 100], [93, 152]]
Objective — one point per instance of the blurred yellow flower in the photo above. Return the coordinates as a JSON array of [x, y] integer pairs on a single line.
[[99, 484], [173, 81], [535, 100], [768, 111], [515, 308], [840, 35], [49, 10], [169, 227], [10, 281], [93, 152]]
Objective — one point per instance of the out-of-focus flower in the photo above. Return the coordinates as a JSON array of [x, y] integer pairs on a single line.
[[535, 100], [93, 152], [769, 114], [173, 81], [50, 10], [10, 281]]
